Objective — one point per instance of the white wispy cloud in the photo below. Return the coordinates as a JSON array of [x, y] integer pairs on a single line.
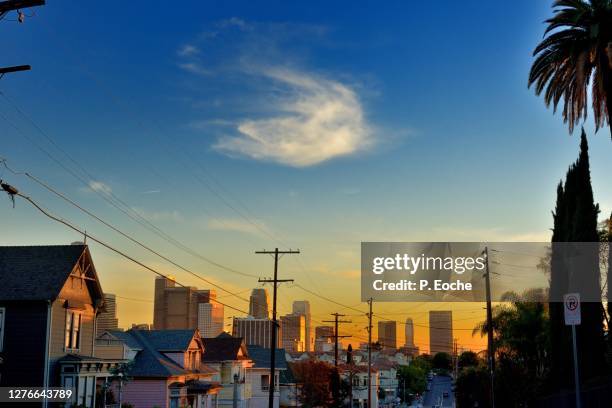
[[207, 123], [99, 186], [318, 120], [236, 225], [188, 50], [195, 68], [150, 215]]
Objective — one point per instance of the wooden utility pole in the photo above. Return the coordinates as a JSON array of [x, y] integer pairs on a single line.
[[370, 355], [490, 347], [10, 5], [273, 336], [336, 336]]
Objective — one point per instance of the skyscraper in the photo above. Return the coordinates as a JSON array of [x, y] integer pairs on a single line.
[[258, 304], [294, 332], [302, 307], [107, 320], [178, 307], [323, 338], [387, 334], [440, 332], [255, 331], [210, 319], [409, 331]]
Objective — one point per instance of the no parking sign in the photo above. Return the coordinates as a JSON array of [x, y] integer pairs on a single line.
[[571, 307]]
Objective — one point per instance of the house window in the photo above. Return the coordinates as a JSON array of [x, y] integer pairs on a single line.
[[72, 338], [2, 313], [265, 382]]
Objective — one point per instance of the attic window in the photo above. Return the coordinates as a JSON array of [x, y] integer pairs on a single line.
[[72, 336]]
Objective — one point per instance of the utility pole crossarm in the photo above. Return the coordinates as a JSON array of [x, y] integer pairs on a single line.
[[10, 5], [291, 251], [5, 7], [16, 68], [337, 321]]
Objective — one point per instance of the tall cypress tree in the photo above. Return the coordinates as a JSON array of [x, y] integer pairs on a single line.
[[560, 364], [575, 220]]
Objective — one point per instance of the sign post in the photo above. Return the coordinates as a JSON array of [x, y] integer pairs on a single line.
[[571, 307]]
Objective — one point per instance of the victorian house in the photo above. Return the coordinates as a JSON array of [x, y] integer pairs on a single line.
[[165, 368], [49, 299]]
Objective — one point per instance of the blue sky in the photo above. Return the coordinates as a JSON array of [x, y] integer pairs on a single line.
[[322, 124]]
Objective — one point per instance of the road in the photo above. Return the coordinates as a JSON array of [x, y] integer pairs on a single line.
[[439, 384]]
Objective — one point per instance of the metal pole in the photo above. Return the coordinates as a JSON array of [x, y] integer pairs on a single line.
[[490, 349], [576, 376]]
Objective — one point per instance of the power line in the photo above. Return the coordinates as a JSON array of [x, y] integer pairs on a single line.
[[14, 192], [112, 199]]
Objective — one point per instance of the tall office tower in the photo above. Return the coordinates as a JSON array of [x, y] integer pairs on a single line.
[[409, 333], [258, 304], [323, 339], [255, 331], [324, 331], [387, 334], [107, 320], [159, 300], [440, 332], [210, 319], [177, 307], [294, 332], [302, 307]]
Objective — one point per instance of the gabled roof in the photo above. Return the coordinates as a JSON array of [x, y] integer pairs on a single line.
[[39, 272], [150, 360], [125, 337], [261, 357], [168, 340], [224, 347]]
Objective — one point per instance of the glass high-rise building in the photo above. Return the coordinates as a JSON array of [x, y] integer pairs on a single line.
[[259, 304], [302, 307], [387, 334], [440, 331]]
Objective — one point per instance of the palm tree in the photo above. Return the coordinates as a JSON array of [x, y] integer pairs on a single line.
[[576, 52]]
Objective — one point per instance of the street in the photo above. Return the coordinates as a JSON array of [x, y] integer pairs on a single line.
[[439, 385]]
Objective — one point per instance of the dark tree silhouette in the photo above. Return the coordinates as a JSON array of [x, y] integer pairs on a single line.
[[575, 220]]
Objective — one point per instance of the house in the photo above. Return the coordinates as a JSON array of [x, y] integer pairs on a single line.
[[49, 299], [357, 377], [165, 369], [229, 357], [259, 375], [289, 392], [388, 382]]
